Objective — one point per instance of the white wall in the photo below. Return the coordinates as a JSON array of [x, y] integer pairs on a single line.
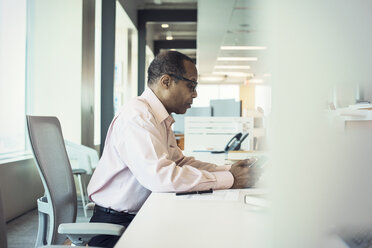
[[125, 81], [134, 76], [121, 53], [54, 62], [149, 58], [97, 72], [130, 7]]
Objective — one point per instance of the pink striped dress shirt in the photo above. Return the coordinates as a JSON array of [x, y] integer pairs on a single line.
[[141, 155]]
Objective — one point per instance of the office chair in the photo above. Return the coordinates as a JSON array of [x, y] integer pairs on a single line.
[[83, 161], [58, 206], [3, 235]]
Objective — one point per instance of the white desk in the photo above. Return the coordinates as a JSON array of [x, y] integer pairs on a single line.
[[168, 221]]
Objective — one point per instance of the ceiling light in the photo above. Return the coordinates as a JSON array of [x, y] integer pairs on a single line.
[[164, 25], [232, 73], [168, 35], [232, 67], [256, 81], [243, 48], [236, 59], [211, 78]]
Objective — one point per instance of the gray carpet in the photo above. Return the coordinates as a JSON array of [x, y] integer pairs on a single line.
[[22, 231]]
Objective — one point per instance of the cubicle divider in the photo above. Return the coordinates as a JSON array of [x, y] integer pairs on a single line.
[[226, 107], [213, 133]]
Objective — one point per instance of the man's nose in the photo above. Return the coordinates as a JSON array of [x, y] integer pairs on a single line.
[[194, 94]]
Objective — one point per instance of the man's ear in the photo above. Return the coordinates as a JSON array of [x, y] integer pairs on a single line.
[[165, 81]]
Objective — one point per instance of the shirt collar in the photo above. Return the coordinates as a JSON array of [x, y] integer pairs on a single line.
[[160, 113]]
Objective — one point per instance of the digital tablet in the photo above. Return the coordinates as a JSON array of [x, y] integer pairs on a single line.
[[259, 163]]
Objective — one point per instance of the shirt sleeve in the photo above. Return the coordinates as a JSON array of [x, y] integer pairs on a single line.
[[202, 165], [143, 149]]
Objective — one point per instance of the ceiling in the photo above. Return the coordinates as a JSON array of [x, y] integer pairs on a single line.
[[175, 30], [233, 23], [178, 30], [220, 23], [168, 4]]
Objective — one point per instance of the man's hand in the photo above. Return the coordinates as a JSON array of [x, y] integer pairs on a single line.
[[244, 176]]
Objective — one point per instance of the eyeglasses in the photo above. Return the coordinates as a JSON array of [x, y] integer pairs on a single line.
[[193, 87]]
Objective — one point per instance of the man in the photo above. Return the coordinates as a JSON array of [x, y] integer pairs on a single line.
[[141, 155]]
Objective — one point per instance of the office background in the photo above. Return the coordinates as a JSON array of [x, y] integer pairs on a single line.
[[82, 60]]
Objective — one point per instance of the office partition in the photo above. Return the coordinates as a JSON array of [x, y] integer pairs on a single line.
[[213, 133], [179, 125], [226, 107]]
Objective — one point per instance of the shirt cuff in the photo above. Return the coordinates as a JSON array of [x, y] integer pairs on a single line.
[[225, 167], [224, 179]]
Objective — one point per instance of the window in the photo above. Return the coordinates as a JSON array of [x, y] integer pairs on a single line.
[[263, 98], [207, 92], [12, 76]]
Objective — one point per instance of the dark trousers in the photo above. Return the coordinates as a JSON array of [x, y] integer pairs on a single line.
[[123, 219]]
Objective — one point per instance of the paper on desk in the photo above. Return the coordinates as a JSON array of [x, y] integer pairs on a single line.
[[256, 197], [218, 195], [255, 191]]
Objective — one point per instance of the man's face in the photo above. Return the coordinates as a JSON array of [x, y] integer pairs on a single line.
[[183, 92]]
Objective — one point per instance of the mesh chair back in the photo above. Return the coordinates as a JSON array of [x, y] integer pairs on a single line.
[[55, 170], [3, 240]]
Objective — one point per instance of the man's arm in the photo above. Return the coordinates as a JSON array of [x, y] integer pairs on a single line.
[[145, 151], [184, 160], [244, 177]]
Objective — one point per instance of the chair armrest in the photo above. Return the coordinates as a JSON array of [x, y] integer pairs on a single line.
[[79, 171], [81, 233]]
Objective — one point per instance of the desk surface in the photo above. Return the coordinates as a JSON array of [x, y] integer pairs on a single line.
[[166, 220]]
